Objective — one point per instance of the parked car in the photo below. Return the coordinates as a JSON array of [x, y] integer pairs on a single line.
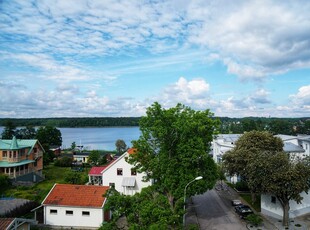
[[236, 202], [243, 210]]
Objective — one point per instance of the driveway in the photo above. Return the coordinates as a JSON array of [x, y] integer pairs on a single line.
[[210, 212]]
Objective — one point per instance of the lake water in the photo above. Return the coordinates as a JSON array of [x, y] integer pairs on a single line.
[[102, 138]]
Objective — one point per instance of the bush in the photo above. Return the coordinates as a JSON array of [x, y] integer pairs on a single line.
[[254, 219], [63, 162], [4, 180], [242, 186]]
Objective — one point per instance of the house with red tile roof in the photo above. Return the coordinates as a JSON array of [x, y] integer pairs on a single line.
[[121, 175], [75, 206]]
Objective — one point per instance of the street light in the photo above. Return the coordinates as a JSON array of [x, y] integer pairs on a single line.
[[197, 178]]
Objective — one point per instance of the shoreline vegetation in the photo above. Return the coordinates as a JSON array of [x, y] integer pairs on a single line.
[[288, 126]]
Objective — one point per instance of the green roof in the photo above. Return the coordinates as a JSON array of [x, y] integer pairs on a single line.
[[5, 164], [16, 144]]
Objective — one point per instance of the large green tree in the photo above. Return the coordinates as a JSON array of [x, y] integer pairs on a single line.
[[28, 132], [247, 147], [48, 136], [278, 174], [120, 146], [259, 159], [9, 130], [173, 150]]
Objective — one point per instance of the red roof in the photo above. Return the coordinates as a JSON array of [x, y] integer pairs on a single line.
[[76, 195], [131, 150], [96, 170]]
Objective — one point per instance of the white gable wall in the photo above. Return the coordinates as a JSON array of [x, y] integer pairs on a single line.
[[110, 176], [275, 209], [94, 220]]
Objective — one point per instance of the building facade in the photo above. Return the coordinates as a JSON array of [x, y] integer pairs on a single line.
[[121, 175], [75, 206], [19, 157]]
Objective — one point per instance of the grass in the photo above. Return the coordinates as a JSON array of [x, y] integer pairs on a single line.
[[38, 191], [248, 199]]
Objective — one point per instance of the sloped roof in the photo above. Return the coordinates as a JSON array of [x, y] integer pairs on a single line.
[[16, 144], [131, 151], [128, 152], [5, 222], [76, 195], [96, 170], [290, 147]]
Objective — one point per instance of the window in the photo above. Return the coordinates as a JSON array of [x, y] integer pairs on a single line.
[[5, 154], [133, 172], [69, 212], [85, 213], [53, 211], [273, 199], [119, 171]]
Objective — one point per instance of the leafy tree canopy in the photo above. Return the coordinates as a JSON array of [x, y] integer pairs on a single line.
[[173, 150], [9, 130], [120, 146], [259, 158]]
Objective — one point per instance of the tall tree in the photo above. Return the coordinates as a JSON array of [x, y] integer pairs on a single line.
[[94, 157], [247, 147], [258, 158], [49, 136], [28, 132], [120, 146], [9, 130], [173, 150], [275, 173]]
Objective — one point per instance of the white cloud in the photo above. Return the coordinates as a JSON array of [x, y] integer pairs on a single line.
[[193, 93], [258, 38], [302, 97]]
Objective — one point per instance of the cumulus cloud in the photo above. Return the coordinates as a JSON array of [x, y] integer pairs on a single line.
[[255, 38], [302, 97], [72, 50], [193, 92]]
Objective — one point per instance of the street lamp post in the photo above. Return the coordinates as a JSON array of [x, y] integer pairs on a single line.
[[197, 178]]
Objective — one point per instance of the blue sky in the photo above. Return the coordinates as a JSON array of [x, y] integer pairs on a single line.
[[79, 58]]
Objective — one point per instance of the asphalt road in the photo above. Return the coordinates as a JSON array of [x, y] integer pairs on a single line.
[[213, 211]]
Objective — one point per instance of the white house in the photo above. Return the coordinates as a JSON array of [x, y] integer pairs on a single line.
[[271, 206], [120, 174], [295, 146], [75, 206]]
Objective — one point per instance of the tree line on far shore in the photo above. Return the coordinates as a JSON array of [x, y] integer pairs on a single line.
[[288, 126]]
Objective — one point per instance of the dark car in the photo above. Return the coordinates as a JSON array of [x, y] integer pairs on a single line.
[[243, 210]]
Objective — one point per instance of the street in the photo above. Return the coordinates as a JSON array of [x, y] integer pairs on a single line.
[[213, 212]]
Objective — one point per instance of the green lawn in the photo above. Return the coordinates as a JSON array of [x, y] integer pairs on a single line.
[[248, 199], [38, 192]]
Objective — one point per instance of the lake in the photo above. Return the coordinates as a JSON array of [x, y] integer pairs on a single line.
[[102, 138]]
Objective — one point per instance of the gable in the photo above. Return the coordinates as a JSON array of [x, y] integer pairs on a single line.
[[76, 195], [121, 158]]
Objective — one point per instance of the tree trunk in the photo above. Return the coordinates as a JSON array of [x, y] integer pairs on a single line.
[[171, 200], [286, 208], [253, 197]]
